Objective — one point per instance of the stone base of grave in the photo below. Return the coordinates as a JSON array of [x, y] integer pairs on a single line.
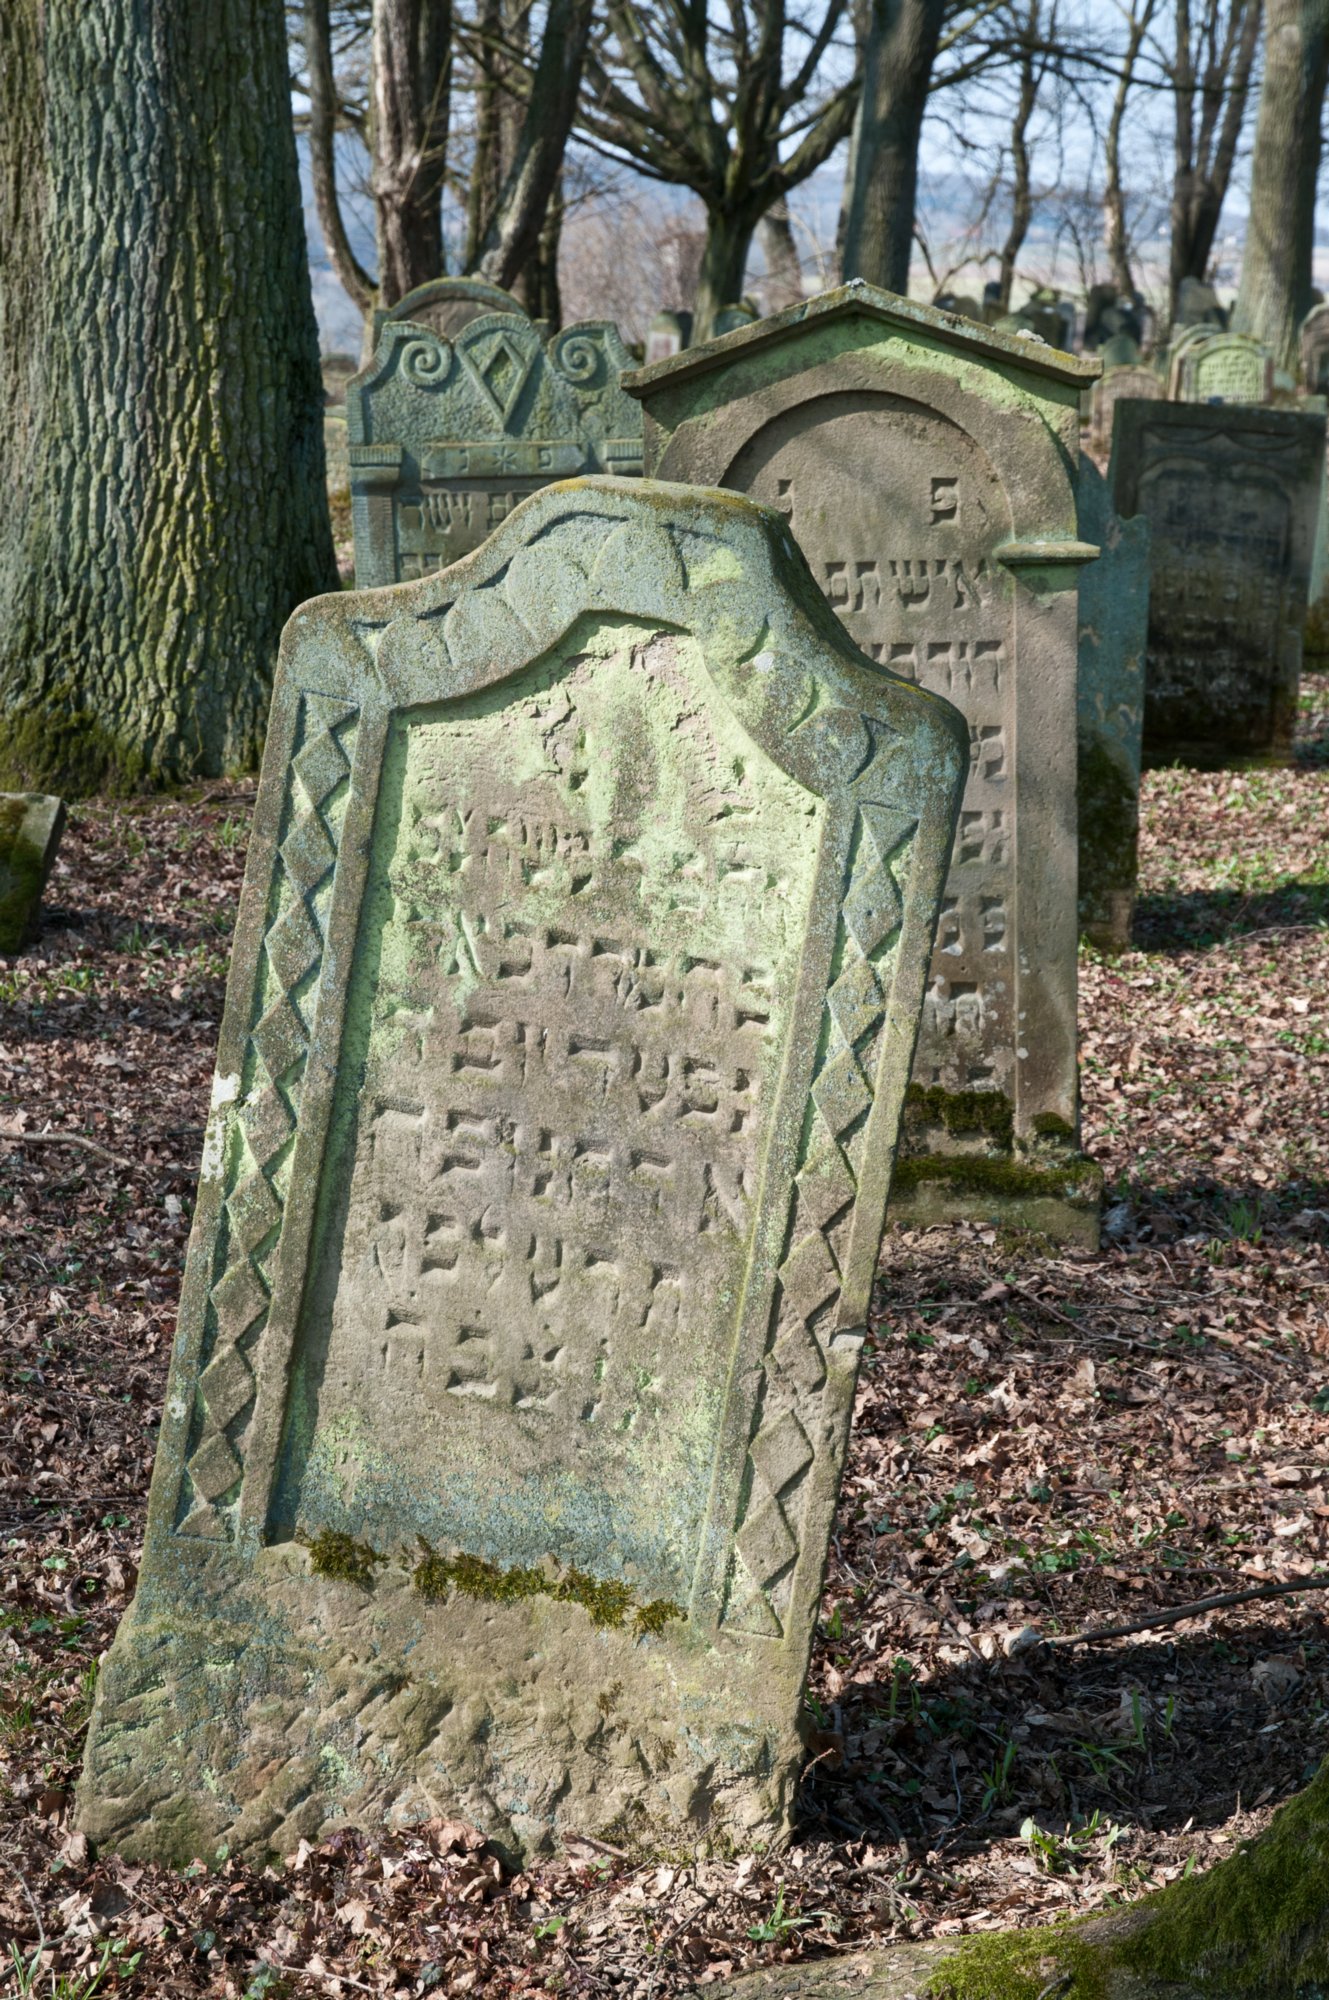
[[223, 1719], [1062, 1203]]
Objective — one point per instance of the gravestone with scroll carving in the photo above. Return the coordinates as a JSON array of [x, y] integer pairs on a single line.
[[927, 469], [448, 432], [576, 978], [1231, 496]]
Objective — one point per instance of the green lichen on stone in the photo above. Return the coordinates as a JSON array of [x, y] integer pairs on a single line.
[[1049, 1125], [1077, 1182], [960, 1111], [607, 1604], [334, 1554]]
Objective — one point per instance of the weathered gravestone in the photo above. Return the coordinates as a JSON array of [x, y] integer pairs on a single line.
[[1114, 627], [1120, 350], [30, 828], [1231, 497], [574, 989], [1315, 350], [448, 433], [1198, 306], [927, 469], [1221, 368], [1116, 385], [667, 334], [444, 305]]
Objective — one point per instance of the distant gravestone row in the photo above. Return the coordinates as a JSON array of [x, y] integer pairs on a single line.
[[924, 465], [582, 946], [464, 412]]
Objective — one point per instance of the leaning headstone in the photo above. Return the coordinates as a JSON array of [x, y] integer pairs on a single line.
[[927, 470], [1227, 368], [448, 433], [577, 972], [30, 828], [1315, 350], [1115, 385], [1114, 627], [668, 334], [1231, 496]]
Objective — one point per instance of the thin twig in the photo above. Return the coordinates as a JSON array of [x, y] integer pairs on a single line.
[[10, 1138], [689, 1918], [1175, 1615]]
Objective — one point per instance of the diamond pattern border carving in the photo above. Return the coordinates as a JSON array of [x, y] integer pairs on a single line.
[[261, 1136], [787, 1432]]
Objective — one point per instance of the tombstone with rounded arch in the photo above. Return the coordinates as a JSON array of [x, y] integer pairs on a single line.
[[926, 467]]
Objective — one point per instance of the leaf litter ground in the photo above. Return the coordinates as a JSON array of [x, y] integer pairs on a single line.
[[1044, 1443]]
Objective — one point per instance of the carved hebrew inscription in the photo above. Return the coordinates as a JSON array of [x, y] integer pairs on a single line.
[[582, 938], [898, 512], [1221, 537]]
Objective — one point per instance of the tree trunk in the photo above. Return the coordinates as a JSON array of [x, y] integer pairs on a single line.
[[1022, 198], [409, 82], [514, 233], [355, 280], [898, 57], [784, 272], [1114, 196], [724, 263], [538, 286], [1275, 292], [162, 448], [1204, 161]]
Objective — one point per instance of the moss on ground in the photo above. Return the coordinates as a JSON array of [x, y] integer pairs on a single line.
[[1022, 1965]]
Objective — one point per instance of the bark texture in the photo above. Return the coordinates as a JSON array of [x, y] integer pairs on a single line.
[[1216, 42], [410, 69], [162, 453], [1275, 290], [900, 49], [323, 124]]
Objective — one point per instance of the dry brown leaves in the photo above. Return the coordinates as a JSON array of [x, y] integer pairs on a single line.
[[1043, 1443]]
